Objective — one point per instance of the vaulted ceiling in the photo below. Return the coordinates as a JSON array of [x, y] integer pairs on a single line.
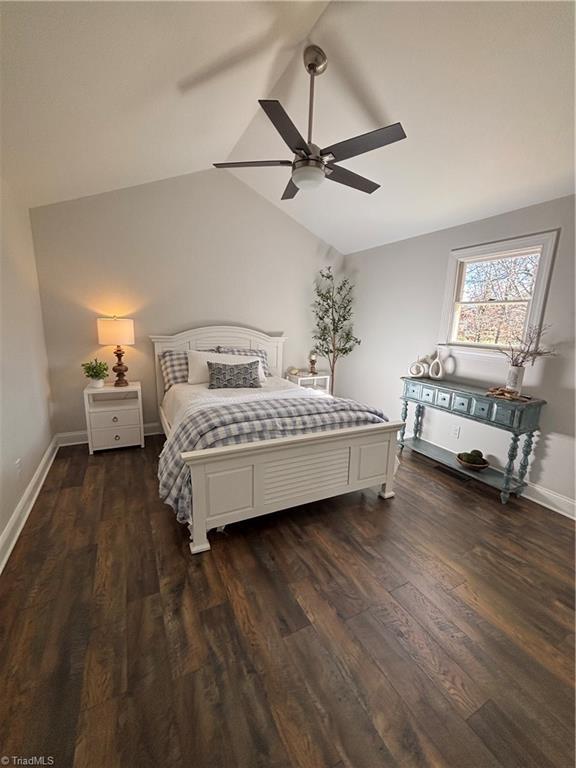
[[104, 95], [98, 96]]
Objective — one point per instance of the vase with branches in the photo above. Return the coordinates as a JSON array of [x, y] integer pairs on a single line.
[[522, 350], [333, 336]]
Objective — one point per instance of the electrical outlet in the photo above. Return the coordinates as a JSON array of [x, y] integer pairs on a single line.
[[455, 431]]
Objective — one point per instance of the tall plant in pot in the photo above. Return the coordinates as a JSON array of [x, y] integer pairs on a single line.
[[333, 335], [523, 350]]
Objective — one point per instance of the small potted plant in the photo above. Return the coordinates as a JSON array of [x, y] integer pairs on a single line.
[[96, 370], [521, 351]]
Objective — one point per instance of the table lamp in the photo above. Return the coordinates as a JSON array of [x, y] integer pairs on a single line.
[[115, 331]]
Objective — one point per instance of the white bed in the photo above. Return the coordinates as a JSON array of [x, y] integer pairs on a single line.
[[238, 482]]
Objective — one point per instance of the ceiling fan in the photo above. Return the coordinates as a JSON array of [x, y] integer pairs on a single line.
[[311, 165]]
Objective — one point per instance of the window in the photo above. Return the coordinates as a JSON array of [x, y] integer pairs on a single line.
[[495, 291]]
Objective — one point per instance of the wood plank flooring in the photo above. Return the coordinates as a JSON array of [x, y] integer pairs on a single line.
[[434, 629]]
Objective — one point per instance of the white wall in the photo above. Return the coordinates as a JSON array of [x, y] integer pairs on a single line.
[[193, 250], [24, 415], [399, 297]]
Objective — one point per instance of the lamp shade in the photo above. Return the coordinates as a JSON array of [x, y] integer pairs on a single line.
[[115, 330]]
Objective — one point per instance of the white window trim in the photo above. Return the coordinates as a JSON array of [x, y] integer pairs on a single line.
[[546, 241]]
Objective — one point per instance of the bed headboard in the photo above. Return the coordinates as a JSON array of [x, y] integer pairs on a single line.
[[218, 335]]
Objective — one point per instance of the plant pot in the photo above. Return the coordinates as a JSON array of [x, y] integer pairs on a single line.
[[96, 383], [515, 378]]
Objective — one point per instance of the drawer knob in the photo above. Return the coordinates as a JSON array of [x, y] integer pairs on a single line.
[[115, 419], [116, 437]]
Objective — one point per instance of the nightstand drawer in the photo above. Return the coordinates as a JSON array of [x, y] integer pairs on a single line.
[[119, 418], [320, 383], [115, 437]]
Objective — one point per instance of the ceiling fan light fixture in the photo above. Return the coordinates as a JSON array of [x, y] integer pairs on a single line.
[[308, 176]]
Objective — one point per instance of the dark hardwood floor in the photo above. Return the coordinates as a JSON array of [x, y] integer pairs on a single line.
[[433, 629]]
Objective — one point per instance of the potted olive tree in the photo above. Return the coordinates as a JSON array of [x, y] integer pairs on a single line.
[[333, 336], [96, 370]]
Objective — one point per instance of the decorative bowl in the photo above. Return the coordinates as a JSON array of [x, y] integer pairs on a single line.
[[473, 467]]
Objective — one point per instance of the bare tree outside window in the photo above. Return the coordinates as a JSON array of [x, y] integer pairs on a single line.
[[493, 300]]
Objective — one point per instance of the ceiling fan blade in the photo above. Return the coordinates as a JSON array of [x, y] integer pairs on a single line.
[[344, 176], [284, 126], [365, 143], [253, 164], [290, 191]]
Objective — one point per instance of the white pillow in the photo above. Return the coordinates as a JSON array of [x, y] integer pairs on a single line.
[[198, 370]]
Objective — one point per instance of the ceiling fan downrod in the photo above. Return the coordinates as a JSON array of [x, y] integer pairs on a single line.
[[315, 63]]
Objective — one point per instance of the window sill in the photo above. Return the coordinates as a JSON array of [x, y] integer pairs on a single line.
[[473, 350]]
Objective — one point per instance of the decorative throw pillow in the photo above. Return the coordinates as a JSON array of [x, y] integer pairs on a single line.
[[198, 368], [249, 353], [174, 367], [224, 376]]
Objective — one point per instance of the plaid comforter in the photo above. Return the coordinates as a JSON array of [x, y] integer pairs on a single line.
[[248, 422]]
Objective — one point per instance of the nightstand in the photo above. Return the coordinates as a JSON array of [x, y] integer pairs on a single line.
[[114, 416], [320, 380]]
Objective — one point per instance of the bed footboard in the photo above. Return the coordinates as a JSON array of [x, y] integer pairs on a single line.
[[239, 482]]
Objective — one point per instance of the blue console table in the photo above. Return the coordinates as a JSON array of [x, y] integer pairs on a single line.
[[518, 418]]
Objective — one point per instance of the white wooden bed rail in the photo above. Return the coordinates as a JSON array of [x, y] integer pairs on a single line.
[[239, 482]]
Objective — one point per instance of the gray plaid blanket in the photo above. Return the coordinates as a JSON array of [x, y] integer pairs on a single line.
[[248, 422]]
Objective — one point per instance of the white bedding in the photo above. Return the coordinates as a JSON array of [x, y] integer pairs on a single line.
[[183, 398]]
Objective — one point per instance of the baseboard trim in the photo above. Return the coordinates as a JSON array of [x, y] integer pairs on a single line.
[[563, 505], [80, 437], [10, 534], [551, 500]]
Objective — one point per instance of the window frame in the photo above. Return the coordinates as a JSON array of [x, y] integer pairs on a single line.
[[544, 241]]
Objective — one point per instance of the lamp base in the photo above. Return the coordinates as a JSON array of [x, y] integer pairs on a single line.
[[120, 369]]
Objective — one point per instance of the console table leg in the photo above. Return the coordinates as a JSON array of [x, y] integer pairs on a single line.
[[418, 420], [526, 451], [403, 416], [512, 453]]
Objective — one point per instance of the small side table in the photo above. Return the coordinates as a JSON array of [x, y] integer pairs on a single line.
[[114, 416], [320, 380]]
